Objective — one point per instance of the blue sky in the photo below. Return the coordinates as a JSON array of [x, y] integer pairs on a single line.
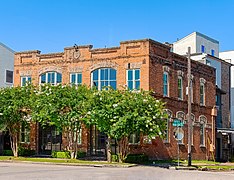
[[51, 25]]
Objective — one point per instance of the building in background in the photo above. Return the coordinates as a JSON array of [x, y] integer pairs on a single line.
[[6, 66], [206, 50], [228, 56], [6, 80], [145, 64]]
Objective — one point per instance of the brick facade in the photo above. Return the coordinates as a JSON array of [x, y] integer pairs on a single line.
[[152, 58]]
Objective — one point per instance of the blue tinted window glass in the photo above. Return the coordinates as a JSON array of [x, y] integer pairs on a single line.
[[102, 74], [95, 84], [137, 84], [48, 78], [112, 74], [79, 78], [23, 81], [202, 48], [212, 52], [113, 84], [52, 77], [29, 79], [59, 78], [43, 78], [137, 74], [73, 78], [130, 77], [130, 85], [102, 84], [95, 75], [106, 74], [165, 78]]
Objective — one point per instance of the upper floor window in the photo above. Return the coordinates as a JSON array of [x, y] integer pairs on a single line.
[[51, 77], [212, 52], [9, 76], [25, 79], [133, 79], [103, 77], [180, 88], [76, 78], [203, 49], [202, 92], [165, 84]]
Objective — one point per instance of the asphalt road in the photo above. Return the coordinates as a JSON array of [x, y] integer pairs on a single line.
[[25, 171]]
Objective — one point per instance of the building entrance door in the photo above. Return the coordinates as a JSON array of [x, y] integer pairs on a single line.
[[50, 139], [97, 142]]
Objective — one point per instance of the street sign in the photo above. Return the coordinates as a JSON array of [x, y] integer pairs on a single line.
[[177, 123]]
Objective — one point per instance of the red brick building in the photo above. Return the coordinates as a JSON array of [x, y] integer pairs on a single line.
[[145, 63]]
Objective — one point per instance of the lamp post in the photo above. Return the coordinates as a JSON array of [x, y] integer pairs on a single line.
[[189, 111]]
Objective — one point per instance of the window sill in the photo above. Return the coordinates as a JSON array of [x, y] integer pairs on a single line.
[[133, 144], [202, 146], [181, 144], [166, 142]]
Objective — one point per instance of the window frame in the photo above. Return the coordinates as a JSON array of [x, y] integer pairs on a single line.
[[180, 89], [8, 70], [25, 133], [166, 85], [47, 77], [99, 80], [136, 139], [202, 94], [203, 49], [77, 74], [27, 79], [134, 80]]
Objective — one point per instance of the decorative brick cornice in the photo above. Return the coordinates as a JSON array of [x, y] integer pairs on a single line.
[[180, 73], [202, 80]]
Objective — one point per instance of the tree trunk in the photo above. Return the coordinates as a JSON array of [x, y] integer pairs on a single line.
[[14, 143], [123, 149], [108, 148]]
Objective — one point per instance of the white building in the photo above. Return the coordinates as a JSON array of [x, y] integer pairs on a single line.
[[228, 56], [199, 43], [6, 66]]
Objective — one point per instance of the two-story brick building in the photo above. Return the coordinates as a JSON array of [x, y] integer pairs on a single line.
[[145, 64]]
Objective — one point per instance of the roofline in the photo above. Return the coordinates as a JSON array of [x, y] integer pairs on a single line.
[[7, 47], [200, 34]]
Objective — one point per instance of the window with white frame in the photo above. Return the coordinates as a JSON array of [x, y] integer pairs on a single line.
[[9, 76], [133, 79], [202, 93], [25, 133], [165, 84], [103, 77], [180, 88], [76, 78], [25, 79], [51, 78], [134, 138], [202, 120], [78, 135]]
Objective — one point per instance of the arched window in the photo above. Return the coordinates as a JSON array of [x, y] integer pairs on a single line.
[[170, 115], [103, 77], [202, 120], [51, 77], [181, 116]]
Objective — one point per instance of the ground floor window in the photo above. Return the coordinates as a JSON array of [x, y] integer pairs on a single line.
[[25, 133], [134, 138]]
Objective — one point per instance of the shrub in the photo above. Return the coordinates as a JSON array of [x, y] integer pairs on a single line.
[[7, 153], [114, 158], [61, 154], [81, 154], [26, 152], [136, 158]]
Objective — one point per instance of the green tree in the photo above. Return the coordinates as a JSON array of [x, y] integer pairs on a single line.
[[64, 107], [121, 113], [14, 110]]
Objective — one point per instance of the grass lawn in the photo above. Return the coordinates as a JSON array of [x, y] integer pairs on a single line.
[[54, 160]]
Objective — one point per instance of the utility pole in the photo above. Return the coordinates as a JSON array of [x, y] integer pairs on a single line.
[[189, 111]]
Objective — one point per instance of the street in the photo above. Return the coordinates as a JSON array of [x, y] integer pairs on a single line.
[[26, 171]]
